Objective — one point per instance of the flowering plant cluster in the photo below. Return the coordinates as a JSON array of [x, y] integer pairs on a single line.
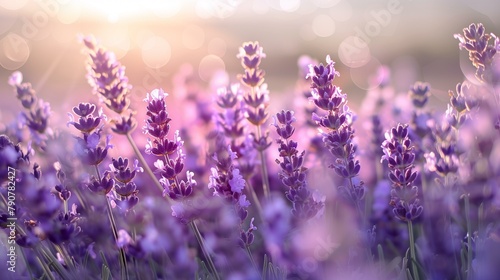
[[98, 199]]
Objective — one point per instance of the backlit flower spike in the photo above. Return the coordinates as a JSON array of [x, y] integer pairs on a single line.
[[37, 111], [256, 99], [481, 51], [335, 120], [107, 77]]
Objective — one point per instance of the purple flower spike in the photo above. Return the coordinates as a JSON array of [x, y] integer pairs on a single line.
[[335, 125], [477, 42], [419, 94], [398, 152], [293, 173], [172, 156]]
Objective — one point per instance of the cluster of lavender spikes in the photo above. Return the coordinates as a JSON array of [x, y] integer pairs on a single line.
[[211, 232]]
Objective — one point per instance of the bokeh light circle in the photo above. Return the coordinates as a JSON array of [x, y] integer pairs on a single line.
[[324, 4], [260, 7], [117, 40], [217, 46], [289, 5], [70, 12], [342, 11], [361, 76], [209, 65], [14, 51], [323, 26], [354, 52], [168, 8], [193, 37], [13, 5], [156, 52]]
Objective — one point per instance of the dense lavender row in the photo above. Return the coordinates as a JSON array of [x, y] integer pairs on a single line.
[[317, 192]]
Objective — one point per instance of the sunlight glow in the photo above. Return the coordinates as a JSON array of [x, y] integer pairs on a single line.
[[116, 10]]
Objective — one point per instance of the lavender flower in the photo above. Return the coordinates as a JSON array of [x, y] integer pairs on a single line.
[[336, 126], [125, 189], [256, 101], [398, 152], [88, 147], [227, 183], [481, 53], [293, 173], [419, 94], [445, 157], [157, 126], [107, 77], [38, 111]]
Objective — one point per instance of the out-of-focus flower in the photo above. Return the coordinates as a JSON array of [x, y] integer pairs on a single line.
[[38, 111], [419, 94], [481, 53]]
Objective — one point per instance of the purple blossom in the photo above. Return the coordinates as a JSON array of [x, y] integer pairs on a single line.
[[419, 94], [171, 163], [293, 173], [398, 153], [481, 53], [335, 126], [38, 112], [107, 78]]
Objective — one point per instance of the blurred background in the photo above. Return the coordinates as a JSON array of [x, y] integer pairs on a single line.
[[154, 39]]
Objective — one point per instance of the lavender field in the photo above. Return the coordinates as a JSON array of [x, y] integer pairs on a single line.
[[328, 153]]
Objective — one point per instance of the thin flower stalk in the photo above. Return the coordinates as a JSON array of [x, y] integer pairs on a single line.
[[399, 155], [335, 126], [257, 101], [93, 154], [230, 122], [170, 164]]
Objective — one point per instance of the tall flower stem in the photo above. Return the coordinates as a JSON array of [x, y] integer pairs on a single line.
[[204, 249], [143, 162], [250, 256], [469, 237], [412, 250], [263, 168], [123, 258], [255, 199]]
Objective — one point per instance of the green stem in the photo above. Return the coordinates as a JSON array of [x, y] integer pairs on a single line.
[[251, 258], [144, 163], [263, 167], [412, 251], [204, 249], [255, 200], [28, 267], [123, 258], [469, 237]]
